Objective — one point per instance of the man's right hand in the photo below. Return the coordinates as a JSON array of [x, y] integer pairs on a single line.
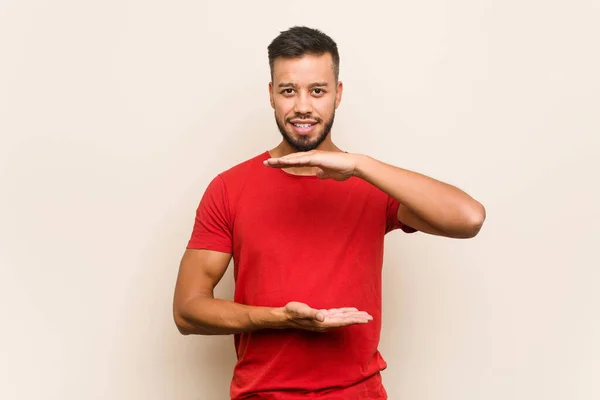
[[301, 316]]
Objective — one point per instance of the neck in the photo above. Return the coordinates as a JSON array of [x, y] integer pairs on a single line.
[[284, 148]]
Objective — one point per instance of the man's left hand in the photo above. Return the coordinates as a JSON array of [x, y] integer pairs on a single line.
[[329, 164]]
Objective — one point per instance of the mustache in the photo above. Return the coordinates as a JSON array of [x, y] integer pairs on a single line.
[[300, 116]]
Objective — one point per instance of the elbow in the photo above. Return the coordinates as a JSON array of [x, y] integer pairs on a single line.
[[475, 217], [182, 326], [185, 326], [471, 220]]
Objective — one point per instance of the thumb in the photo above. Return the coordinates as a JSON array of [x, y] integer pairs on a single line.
[[320, 315], [321, 174], [312, 313]]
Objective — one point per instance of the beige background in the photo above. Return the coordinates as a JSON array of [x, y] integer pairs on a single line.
[[115, 115]]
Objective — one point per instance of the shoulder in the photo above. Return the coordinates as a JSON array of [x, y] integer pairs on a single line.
[[239, 172], [231, 182]]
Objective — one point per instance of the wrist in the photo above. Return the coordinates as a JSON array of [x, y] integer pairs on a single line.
[[268, 318], [279, 318], [361, 162]]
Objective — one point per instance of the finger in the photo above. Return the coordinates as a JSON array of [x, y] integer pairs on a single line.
[[334, 322], [347, 313], [320, 316], [299, 154], [302, 160], [288, 165], [271, 162], [360, 314], [302, 310], [312, 319], [350, 316], [343, 309], [292, 156], [339, 324], [285, 163], [321, 174], [310, 313]]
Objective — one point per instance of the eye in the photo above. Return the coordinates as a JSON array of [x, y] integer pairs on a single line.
[[287, 91], [318, 91]]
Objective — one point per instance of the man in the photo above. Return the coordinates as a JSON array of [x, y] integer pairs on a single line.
[[305, 225]]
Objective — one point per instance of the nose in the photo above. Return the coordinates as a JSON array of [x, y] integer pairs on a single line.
[[303, 104]]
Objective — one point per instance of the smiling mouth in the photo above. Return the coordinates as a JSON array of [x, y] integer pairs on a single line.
[[303, 128]]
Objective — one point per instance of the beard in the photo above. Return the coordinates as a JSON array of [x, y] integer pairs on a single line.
[[304, 143]]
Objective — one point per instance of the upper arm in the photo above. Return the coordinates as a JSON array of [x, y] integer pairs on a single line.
[[199, 272]]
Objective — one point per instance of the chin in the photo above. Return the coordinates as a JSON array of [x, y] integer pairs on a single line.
[[300, 142]]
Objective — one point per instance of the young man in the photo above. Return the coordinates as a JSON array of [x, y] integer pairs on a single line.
[[305, 225]]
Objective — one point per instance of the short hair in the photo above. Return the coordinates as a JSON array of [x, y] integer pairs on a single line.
[[301, 40]]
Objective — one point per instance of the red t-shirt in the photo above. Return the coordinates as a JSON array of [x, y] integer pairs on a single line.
[[300, 238]]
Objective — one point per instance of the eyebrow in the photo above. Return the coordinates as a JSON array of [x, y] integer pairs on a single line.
[[293, 85]]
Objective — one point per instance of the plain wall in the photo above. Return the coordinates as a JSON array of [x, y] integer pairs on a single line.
[[115, 115]]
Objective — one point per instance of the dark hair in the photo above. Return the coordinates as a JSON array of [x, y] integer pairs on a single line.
[[299, 41]]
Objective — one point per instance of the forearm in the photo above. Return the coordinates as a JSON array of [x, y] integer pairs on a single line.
[[441, 205], [204, 315]]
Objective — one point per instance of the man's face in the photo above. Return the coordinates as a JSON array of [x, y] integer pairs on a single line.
[[304, 95]]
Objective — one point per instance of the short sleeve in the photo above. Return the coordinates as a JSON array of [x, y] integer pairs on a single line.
[[392, 222], [212, 226]]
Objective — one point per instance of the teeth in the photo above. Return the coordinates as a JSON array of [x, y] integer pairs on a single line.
[[303, 125]]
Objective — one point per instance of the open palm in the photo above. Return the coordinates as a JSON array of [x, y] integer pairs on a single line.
[[301, 315]]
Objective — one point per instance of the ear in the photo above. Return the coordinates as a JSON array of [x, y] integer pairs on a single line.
[[338, 94], [271, 95]]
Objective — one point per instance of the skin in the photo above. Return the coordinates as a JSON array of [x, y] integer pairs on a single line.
[[305, 89]]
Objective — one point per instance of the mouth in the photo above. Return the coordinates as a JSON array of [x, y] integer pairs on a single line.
[[304, 127]]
